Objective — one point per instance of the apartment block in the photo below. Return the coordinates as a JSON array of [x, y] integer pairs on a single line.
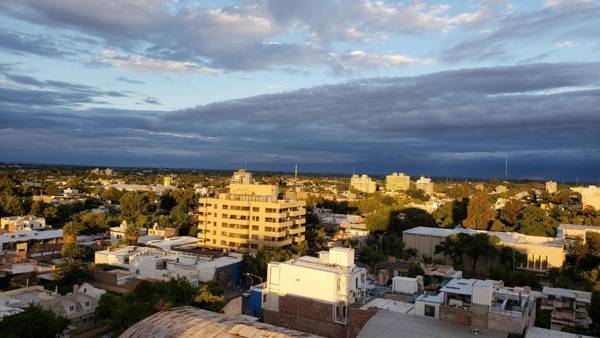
[[569, 307], [397, 182], [320, 295], [242, 176], [551, 187], [487, 304], [425, 184], [363, 183], [250, 217]]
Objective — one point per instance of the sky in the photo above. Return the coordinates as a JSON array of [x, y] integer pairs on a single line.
[[436, 88]]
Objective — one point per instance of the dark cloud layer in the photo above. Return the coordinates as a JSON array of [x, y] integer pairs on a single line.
[[455, 123]]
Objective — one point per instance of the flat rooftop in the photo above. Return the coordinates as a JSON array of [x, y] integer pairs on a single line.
[[538, 332], [389, 324], [505, 237]]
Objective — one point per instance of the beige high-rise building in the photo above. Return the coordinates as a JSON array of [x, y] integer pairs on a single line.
[[250, 217], [242, 176], [425, 184], [551, 187], [397, 182], [363, 183]]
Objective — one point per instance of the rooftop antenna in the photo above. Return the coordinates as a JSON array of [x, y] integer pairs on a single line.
[[245, 163]]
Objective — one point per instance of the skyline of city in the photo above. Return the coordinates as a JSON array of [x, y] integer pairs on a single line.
[[431, 88]]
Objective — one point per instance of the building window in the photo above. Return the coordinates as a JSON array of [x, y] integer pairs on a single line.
[[264, 298], [71, 308], [429, 311]]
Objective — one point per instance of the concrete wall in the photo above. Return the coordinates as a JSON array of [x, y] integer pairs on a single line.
[[455, 315], [316, 317]]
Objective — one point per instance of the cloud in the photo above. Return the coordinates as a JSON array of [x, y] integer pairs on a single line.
[[516, 30], [250, 35], [128, 80], [145, 64], [23, 43], [446, 123], [361, 58], [152, 100]]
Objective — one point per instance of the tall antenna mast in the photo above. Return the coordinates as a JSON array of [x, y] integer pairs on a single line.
[[296, 172], [506, 167]]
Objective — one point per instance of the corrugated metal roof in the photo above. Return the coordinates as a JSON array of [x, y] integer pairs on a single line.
[[190, 322]]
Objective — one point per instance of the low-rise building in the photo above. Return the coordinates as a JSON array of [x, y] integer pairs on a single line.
[[487, 304], [120, 233], [316, 294], [568, 307], [425, 184], [363, 183], [397, 182], [78, 306], [162, 232], [542, 253], [590, 196], [34, 244], [158, 264], [22, 223]]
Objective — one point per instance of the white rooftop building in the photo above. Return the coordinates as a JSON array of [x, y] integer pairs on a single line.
[[331, 278], [163, 264], [21, 223]]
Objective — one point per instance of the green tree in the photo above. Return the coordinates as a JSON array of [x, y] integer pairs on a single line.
[[11, 206], [479, 212], [536, 222], [211, 296], [592, 242], [135, 207], [33, 322], [462, 245], [511, 212]]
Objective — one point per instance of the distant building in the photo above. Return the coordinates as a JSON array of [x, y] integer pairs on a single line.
[[33, 244], [590, 196], [100, 172], [425, 184], [569, 307], [250, 217], [162, 232], [397, 182], [242, 177], [551, 187], [21, 223], [168, 181], [316, 294], [363, 183], [120, 233]]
